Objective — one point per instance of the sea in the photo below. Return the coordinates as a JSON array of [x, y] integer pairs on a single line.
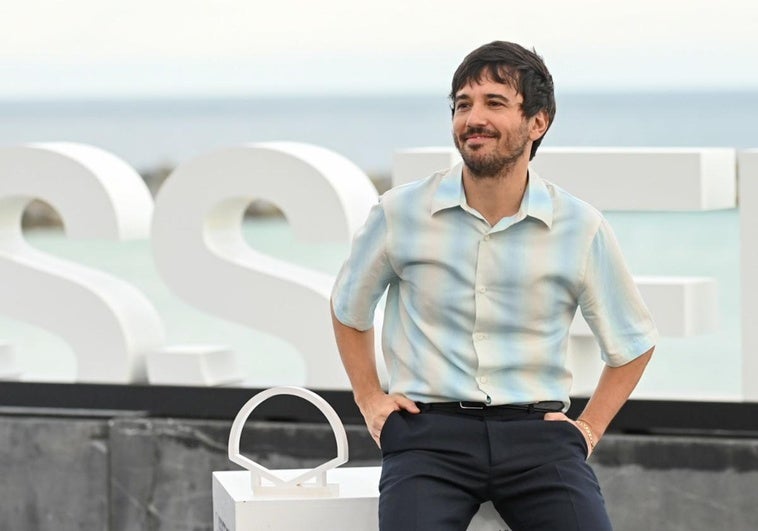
[[367, 130], [157, 134]]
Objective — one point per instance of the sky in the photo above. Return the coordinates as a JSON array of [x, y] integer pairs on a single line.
[[190, 48]]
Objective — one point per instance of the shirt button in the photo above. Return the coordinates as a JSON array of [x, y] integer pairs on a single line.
[[480, 337], [486, 237], [482, 289], [483, 379]]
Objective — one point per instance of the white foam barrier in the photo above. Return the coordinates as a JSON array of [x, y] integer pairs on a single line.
[[668, 179], [748, 188]]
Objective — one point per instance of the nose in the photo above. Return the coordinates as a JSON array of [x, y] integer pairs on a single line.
[[476, 116]]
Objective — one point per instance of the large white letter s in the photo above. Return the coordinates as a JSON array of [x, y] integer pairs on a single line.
[[109, 324], [201, 254]]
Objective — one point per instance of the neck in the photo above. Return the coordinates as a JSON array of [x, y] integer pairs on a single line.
[[498, 196]]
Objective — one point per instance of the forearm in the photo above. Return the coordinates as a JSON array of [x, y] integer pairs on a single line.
[[356, 349], [612, 391]]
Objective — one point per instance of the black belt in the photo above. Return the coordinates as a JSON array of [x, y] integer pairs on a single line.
[[536, 407]]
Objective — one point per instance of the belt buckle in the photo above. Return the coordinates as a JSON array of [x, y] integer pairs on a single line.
[[471, 405], [547, 406]]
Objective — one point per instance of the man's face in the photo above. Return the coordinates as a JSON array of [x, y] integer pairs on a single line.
[[489, 128]]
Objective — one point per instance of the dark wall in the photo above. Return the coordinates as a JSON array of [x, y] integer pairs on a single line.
[[145, 474]]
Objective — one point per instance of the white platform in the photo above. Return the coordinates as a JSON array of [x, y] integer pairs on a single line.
[[235, 508]]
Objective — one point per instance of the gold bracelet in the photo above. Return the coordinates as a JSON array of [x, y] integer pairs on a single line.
[[586, 428]]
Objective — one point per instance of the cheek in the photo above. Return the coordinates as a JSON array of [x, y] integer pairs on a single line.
[[458, 125]]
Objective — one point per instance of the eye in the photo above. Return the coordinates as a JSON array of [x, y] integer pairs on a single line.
[[462, 106]]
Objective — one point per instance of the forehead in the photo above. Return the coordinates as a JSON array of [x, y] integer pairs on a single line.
[[486, 85]]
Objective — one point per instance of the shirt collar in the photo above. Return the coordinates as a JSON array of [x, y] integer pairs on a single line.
[[537, 199], [449, 191], [537, 202]]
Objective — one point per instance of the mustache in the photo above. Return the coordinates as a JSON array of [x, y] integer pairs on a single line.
[[479, 131]]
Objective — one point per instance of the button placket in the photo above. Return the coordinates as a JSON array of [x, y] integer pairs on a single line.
[[481, 304]]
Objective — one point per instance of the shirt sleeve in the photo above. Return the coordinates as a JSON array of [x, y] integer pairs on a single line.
[[365, 274], [611, 303]]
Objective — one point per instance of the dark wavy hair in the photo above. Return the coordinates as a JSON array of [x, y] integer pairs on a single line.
[[515, 66]]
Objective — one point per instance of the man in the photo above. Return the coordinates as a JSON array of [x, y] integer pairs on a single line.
[[486, 265]]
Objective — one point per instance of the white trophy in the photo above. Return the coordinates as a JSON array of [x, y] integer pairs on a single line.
[[260, 498]]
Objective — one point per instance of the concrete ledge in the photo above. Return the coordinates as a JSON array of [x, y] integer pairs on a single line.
[[54, 473], [161, 468], [154, 473], [670, 483]]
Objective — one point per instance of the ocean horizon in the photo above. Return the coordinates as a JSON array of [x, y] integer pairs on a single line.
[[157, 133]]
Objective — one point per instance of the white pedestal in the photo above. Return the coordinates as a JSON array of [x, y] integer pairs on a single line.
[[202, 365], [235, 508]]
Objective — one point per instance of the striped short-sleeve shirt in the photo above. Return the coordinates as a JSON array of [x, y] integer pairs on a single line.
[[482, 313]]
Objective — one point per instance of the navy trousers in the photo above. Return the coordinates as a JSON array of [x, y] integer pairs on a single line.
[[438, 467]]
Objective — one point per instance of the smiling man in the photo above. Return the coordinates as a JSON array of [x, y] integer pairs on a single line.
[[485, 265]]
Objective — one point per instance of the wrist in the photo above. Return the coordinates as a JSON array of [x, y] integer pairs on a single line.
[[364, 397], [589, 431]]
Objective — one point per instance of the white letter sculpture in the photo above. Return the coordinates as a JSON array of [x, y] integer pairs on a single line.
[[109, 324], [748, 168], [198, 221]]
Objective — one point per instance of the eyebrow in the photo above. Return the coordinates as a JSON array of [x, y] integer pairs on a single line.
[[490, 96]]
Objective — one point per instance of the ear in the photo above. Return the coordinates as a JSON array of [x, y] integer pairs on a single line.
[[539, 124]]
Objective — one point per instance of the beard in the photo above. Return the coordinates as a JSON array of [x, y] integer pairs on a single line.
[[487, 165]]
